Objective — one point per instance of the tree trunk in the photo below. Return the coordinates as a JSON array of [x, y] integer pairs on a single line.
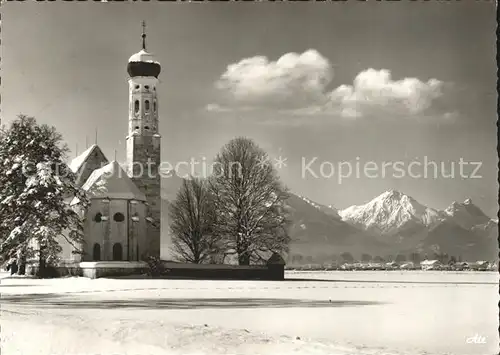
[[41, 263], [13, 268], [243, 259], [21, 263]]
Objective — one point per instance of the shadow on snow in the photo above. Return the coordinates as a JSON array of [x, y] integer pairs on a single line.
[[58, 301]]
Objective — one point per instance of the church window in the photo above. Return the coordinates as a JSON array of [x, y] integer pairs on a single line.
[[96, 252], [98, 217], [119, 217], [117, 252], [154, 106], [146, 105], [137, 86], [136, 108]]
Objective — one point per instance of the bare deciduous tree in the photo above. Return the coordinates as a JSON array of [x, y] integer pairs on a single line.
[[252, 221], [192, 218]]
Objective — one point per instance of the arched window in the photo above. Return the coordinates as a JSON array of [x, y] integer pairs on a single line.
[[136, 107], [96, 252], [154, 106], [146, 105], [98, 217], [117, 252], [118, 217], [146, 87], [137, 86]]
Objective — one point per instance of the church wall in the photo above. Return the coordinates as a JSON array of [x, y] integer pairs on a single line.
[[147, 178], [137, 230], [118, 228], [166, 252], [108, 231], [95, 232], [67, 254]]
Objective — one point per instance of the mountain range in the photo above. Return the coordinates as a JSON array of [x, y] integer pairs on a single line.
[[405, 225], [390, 224]]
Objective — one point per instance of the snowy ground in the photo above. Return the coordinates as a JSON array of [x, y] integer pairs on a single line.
[[322, 313]]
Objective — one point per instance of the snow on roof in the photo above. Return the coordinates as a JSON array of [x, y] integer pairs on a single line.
[[143, 56], [77, 162], [112, 182], [429, 262]]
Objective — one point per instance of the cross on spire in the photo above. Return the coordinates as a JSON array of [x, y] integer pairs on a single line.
[[144, 35]]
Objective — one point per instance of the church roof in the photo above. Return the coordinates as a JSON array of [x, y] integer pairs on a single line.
[[143, 56], [112, 182], [143, 63], [78, 162]]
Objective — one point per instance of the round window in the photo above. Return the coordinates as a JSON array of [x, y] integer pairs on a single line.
[[98, 217], [119, 217]]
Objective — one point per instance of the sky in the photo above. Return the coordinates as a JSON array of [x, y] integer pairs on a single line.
[[342, 86]]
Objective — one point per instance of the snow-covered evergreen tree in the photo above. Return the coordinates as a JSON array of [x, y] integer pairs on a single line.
[[36, 187]]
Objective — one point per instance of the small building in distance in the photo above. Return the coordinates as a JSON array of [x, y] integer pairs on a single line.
[[431, 265]]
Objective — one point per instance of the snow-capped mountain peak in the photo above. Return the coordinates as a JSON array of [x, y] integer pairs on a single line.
[[466, 214], [389, 212]]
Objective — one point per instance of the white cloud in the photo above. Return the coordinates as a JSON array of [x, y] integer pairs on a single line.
[[375, 91], [297, 84], [292, 80]]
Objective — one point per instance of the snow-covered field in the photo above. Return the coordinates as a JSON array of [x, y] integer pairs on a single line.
[[310, 313]]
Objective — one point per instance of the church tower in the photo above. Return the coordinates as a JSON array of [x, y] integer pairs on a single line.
[[143, 140]]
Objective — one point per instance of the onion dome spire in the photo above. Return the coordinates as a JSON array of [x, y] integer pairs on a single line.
[[143, 35], [143, 63]]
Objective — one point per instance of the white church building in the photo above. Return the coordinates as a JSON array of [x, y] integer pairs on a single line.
[[122, 222]]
